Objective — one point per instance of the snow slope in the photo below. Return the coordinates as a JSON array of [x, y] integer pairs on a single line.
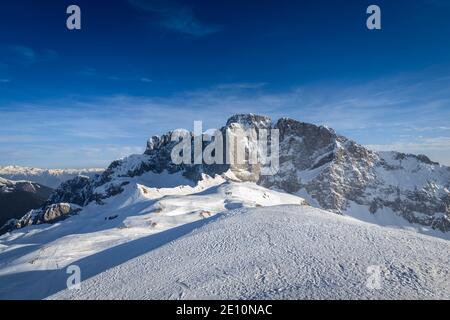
[[48, 177], [30, 257], [289, 252]]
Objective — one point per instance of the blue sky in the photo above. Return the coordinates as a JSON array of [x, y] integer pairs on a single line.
[[142, 67]]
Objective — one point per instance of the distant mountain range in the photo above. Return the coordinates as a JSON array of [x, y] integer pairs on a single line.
[[48, 177]]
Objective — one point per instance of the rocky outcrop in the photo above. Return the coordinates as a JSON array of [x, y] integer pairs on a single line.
[[77, 191], [49, 214]]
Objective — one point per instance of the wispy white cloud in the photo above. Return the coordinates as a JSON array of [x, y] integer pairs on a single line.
[[176, 17], [386, 114], [241, 86], [88, 72], [23, 56], [439, 3], [415, 145], [93, 73], [437, 148], [63, 156]]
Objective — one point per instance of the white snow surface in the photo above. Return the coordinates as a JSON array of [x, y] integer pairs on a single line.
[[281, 252]]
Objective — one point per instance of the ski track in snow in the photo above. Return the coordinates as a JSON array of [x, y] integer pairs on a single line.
[[283, 252]]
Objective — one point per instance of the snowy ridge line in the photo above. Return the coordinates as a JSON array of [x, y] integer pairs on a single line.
[[281, 252]]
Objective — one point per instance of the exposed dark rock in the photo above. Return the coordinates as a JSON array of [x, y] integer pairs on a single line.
[[49, 214], [77, 191]]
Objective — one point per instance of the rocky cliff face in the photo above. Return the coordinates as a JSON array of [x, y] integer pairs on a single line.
[[329, 170], [49, 214], [337, 174]]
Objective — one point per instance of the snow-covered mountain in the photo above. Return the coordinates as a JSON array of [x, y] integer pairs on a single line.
[[48, 177], [18, 197], [330, 171], [143, 202]]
